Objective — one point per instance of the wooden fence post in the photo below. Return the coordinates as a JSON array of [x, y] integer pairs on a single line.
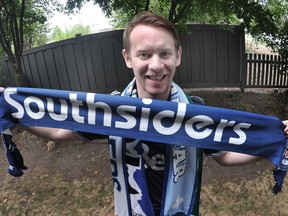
[[81, 64], [243, 64]]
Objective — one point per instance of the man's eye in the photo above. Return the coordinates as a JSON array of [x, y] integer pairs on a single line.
[[165, 54], [144, 55]]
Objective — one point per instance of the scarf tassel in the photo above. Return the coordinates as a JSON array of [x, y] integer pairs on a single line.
[[279, 173], [15, 159]]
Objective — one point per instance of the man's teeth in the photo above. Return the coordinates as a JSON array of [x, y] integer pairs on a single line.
[[156, 77]]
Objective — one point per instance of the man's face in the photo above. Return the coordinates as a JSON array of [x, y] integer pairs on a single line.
[[153, 58]]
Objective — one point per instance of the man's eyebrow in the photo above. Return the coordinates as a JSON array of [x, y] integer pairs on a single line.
[[167, 49], [160, 49], [142, 50]]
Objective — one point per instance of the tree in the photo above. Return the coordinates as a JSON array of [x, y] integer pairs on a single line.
[[69, 32], [265, 20], [278, 40], [11, 34], [175, 10], [35, 29], [18, 21]]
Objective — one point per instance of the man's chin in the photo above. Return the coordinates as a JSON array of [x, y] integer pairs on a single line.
[[158, 94]]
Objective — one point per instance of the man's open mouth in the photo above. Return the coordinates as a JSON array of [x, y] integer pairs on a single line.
[[156, 77]]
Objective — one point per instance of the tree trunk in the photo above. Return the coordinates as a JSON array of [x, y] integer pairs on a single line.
[[20, 78]]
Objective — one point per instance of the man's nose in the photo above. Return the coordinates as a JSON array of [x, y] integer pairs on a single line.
[[156, 63]]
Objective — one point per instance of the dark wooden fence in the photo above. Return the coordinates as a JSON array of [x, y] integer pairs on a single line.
[[212, 57], [265, 71], [85, 63]]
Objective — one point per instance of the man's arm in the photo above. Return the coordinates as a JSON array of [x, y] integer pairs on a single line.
[[53, 134], [237, 159]]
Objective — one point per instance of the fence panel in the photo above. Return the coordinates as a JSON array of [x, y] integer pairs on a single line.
[[212, 57], [266, 71]]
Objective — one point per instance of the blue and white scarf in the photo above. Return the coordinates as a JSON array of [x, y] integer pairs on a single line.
[[182, 181], [158, 121]]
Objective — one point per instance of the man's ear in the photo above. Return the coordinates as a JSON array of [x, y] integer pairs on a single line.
[[179, 55], [126, 58]]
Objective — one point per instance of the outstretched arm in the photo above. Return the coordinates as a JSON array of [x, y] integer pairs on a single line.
[[237, 159], [53, 134]]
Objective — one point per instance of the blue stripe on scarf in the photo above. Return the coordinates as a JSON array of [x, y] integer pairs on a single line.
[[168, 122]]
